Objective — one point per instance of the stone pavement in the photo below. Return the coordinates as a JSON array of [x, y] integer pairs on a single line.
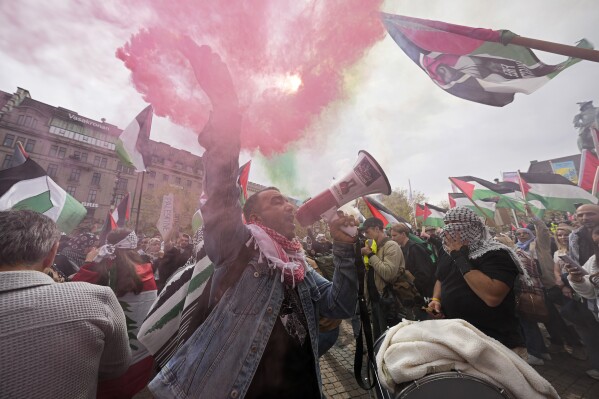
[[565, 373]]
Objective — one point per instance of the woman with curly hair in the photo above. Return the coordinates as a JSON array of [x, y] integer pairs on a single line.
[[119, 266]]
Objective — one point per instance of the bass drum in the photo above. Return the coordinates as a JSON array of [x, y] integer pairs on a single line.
[[445, 385]]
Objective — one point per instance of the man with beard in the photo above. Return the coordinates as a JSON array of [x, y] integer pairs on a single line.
[[261, 338], [581, 241]]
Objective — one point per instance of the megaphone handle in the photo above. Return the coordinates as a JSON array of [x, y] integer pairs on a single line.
[[331, 215]]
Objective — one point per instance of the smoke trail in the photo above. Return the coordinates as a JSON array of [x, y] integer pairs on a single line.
[[282, 172], [286, 58]]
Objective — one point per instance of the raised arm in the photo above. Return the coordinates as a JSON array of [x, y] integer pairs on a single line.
[[225, 231]]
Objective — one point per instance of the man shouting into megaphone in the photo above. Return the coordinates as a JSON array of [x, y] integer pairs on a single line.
[[261, 338]]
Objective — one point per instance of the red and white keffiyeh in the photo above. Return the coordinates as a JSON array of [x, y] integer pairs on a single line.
[[280, 253]]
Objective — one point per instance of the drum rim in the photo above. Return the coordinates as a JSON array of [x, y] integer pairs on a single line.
[[416, 384]]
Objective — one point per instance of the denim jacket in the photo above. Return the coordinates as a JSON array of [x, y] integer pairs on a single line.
[[221, 357]]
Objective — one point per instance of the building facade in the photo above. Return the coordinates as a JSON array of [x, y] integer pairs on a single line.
[[78, 153]]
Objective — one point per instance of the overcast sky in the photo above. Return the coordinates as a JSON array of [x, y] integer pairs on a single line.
[[416, 131]]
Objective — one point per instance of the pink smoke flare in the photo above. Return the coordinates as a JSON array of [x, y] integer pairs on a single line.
[[286, 59]]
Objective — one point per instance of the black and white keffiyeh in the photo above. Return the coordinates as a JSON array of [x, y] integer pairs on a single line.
[[462, 223], [107, 251]]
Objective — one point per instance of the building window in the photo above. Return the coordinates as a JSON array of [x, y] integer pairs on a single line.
[[21, 120], [84, 157], [7, 161], [9, 140], [52, 170], [121, 184], [75, 174], [30, 145], [178, 180], [96, 178], [28, 121], [103, 162], [188, 183], [96, 161], [178, 165], [152, 174], [53, 150], [119, 167], [77, 155], [62, 152], [71, 190], [150, 186], [91, 197], [165, 177], [118, 198]]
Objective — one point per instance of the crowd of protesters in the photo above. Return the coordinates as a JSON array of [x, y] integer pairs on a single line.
[[71, 310]]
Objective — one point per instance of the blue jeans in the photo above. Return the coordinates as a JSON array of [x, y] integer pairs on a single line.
[[533, 338]]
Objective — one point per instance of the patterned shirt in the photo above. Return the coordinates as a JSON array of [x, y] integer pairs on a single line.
[[56, 340]]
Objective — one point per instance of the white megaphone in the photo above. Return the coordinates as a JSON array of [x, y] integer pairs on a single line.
[[366, 177]]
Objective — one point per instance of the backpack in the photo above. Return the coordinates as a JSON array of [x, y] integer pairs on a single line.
[[400, 296]]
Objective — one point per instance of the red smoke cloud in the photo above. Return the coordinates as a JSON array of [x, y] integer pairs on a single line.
[[286, 59]]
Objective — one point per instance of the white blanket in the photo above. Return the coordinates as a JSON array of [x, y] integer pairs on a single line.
[[410, 350]]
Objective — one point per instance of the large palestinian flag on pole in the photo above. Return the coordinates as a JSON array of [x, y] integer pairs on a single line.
[[433, 216], [131, 142], [472, 63], [27, 186], [554, 191]]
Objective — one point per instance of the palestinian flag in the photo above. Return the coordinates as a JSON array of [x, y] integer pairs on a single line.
[[555, 192], [122, 213], [181, 303], [130, 146], [588, 169], [478, 189], [20, 155], [27, 186], [472, 63], [433, 216], [486, 208], [419, 212], [382, 213]]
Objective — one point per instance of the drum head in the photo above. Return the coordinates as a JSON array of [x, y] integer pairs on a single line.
[[452, 385]]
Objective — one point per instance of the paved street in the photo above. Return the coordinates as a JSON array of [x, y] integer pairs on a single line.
[[565, 373]]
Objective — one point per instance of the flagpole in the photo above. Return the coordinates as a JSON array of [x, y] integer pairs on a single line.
[[141, 189], [135, 192], [515, 217], [492, 221], [556, 48]]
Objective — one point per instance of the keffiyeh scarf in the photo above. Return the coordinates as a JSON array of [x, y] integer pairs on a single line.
[[461, 223], [75, 252], [107, 251], [280, 253]]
